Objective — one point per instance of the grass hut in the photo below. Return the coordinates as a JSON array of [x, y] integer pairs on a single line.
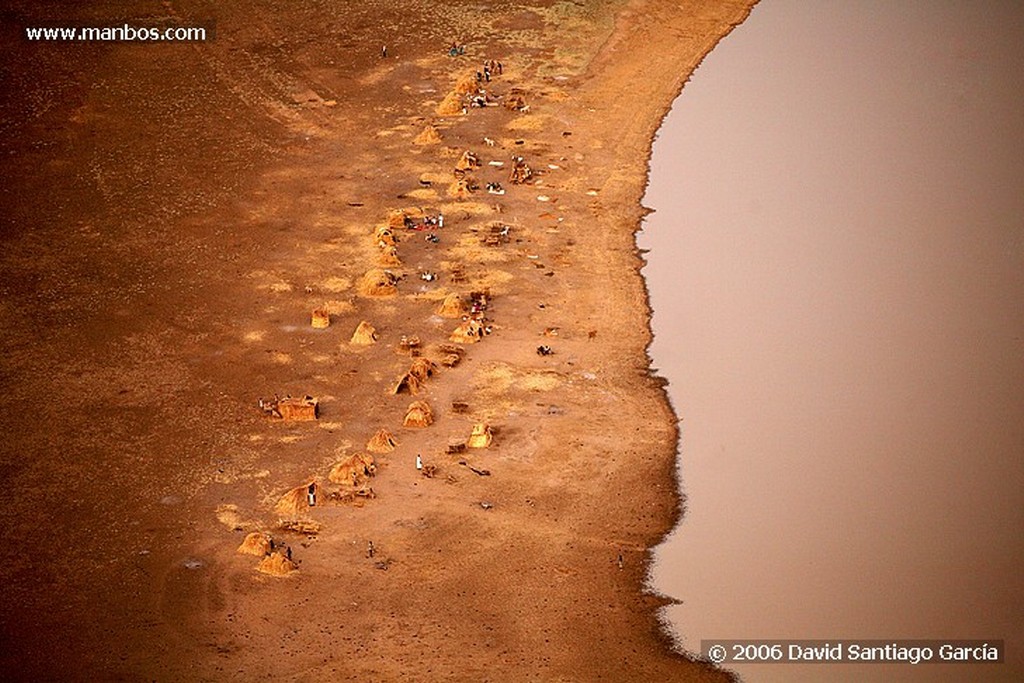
[[408, 384], [377, 282], [389, 258], [422, 369], [353, 470], [257, 543], [453, 306], [301, 409], [321, 318], [469, 332], [429, 136], [276, 564], [418, 415], [381, 442], [294, 503], [481, 436], [364, 335]]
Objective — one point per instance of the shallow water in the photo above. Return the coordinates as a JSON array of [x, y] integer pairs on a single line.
[[837, 277]]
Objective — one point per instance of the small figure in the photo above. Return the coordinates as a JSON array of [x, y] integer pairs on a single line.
[[544, 351], [369, 549], [419, 462], [440, 220], [383, 51], [311, 495], [620, 561], [288, 553]]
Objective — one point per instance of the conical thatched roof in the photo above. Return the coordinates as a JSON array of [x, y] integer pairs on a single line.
[[453, 306], [422, 368], [429, 136], [378, 282], [451, 105], [293, 503], [365, 334], [418, 415], [481, 436], [407, 383], [277, 564], [460, 189], [469, 332], [388, 257], [352, 470], [257, 543], [381, 442], [466, 85], [321, 318]]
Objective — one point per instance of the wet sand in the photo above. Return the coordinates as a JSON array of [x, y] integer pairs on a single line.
[[836, 280], [174, 213]]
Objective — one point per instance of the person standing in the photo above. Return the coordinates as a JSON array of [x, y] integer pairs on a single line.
[[419, 462]]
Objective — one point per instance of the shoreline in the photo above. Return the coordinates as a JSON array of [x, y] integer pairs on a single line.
[[194, 474]]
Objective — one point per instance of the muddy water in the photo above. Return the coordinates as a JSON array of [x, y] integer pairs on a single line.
[[837, 276]]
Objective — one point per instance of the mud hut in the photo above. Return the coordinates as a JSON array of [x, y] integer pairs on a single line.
[[276, 564], [469, 332], [364, 335], [353, 470], [257, 543], [321, 318], [381, 442], [481, 436], [453, 306], [378, 282], [429, 136], [418, 415]]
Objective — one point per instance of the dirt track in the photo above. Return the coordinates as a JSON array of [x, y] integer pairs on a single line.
[[175, 212]]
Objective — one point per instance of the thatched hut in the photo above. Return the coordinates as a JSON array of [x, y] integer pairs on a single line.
[[422, 368], [453, 306], [364, 335], [451, 105], [353, 470], [293, 409], [481, 436], [461, 188], [257, 543], [407, 383], [321, 318], [294, 503], [418, 415], [378, 282], [467, 85], [467, 161], [389, 258], [381, 442], [384, 236], [429, 136], [276, 564], [469, 332]]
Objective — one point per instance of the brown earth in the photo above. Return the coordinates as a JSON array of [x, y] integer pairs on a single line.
[[171, 216]]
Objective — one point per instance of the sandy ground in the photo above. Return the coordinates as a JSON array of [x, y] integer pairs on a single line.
[[171, 216]]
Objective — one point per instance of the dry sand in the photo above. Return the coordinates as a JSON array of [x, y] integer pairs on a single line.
[[173, 215]]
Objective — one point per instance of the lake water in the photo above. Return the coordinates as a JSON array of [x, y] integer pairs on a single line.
[[837, 278]]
